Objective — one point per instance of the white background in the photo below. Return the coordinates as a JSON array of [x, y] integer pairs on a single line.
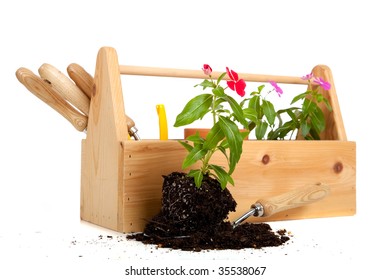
[[40, 231]]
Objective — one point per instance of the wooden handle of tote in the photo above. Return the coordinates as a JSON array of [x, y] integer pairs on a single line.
[[198, 74]]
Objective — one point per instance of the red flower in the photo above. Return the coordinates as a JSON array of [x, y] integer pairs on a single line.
[[207, 69], [236, 84]]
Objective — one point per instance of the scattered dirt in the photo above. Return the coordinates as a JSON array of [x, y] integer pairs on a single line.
[[194, 219]]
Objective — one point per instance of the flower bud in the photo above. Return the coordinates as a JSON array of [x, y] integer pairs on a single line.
[[207, 69]]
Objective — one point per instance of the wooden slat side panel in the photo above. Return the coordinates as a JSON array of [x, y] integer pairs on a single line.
[[274, 167], [145, 162], [102, 182], [85, 212], [266, 169]]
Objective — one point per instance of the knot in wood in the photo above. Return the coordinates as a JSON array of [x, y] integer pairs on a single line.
[[338, 167], [265, 159], [94, 90]]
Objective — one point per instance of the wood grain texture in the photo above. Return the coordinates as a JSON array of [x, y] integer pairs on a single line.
[[85, 82], [267, 169], [293, 199], [198, 74], [102, 163], [65, 87], [44, 91], [81, 78]]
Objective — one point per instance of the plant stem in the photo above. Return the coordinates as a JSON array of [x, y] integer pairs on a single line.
[[213, 110], [206, 160]]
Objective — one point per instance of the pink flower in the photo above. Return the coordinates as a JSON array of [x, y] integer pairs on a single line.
[[276, 87], [307, 77], [325, 85], [235, 83], [207, 69]]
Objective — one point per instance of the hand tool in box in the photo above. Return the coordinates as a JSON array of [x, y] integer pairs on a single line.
[[84, 81], [293, 199], [162, 120], [44, 91]]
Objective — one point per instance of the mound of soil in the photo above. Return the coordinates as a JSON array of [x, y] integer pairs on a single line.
[[193, 219]]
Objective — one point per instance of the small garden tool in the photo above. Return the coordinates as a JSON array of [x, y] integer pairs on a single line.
[[292, 199], [85, 82], [44, 91], [60, 93]]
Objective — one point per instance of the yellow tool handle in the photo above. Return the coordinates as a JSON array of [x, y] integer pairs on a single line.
[[163, 124]]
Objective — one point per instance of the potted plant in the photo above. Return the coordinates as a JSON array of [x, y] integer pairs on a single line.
[[196, 204]]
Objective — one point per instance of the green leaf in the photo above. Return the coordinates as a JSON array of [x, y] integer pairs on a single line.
[[195, 109], [219, 91], [328, 104], [261, 129], [254, 103], [269, 111], [195, 138], [308, 106], [237, 110], [251, 125], [222, 175], [250, 114], [224, 144], [221, 77], [305, 128], [260, 88], [282, 131], [299, 97], [292, 114], [197, 153], [234, 139], [223, 151], [317, 119], [214, 136], [313, 135], [218, 103], [187, 146], [205, 84], [319, 98], [198, 177], [244, 134]]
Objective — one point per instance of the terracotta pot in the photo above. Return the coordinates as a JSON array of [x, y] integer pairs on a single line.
[[202, 132]]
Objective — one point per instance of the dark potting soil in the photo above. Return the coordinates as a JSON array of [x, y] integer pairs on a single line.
[[193, 219]]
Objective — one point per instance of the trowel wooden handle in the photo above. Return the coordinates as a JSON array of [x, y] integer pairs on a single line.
[[85, 82], [81, 78], [44, 91], [294, 199], [65, 87]]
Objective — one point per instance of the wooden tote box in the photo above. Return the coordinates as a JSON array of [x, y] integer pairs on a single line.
[[121, 179]]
